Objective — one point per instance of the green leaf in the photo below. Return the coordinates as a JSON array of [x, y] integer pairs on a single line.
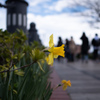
[[40, 66]]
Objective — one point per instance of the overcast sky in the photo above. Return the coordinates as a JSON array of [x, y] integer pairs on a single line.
[[54, 17]]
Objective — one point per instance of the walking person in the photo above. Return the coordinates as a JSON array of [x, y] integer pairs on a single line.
[[84, 47], [67, 51], [58, 45], [72, 47], [96, 44]]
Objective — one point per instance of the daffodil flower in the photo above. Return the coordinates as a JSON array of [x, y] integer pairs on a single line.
[[65, 84], [54, 51]]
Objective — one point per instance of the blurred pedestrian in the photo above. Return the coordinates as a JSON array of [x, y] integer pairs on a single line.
[[67, 51], [58, 45], [59, 42], [96, 44], [84, 47], [72, 47]]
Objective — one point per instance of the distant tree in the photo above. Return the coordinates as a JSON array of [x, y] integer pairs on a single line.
[[90, 9]]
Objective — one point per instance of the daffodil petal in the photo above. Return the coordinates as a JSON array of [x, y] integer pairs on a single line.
[[64, 87], [63, 81], [69, 83], [50, 62], [51, 49], [51, 41]]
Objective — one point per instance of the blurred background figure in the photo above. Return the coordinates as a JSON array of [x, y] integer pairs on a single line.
[[96, 44], [72, 47], [67, 51], [59, 42], [58, 45], [84, 47]]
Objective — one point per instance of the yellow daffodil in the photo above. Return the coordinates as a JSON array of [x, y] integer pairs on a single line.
[[65, 84], [54, 51]]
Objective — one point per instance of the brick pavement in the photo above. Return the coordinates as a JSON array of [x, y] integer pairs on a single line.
[[59, 93]]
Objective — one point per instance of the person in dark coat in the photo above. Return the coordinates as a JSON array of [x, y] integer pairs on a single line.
[[59, 42], [84, 47], [96, 44]]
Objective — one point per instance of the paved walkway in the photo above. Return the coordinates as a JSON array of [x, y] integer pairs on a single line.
[[58, 94], [85, 79]]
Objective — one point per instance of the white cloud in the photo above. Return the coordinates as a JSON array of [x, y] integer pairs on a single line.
[[2, 18], [63, 25], [36, 2], [60, 5]]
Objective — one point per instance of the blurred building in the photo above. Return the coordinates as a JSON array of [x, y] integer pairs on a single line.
[[33, 34], [17, 18]]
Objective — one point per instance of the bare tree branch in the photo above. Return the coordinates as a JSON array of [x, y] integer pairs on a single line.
[[17, 68], [91, 9]]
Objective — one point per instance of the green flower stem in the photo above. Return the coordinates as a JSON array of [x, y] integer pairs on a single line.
[[57, 86], [46, 49]]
